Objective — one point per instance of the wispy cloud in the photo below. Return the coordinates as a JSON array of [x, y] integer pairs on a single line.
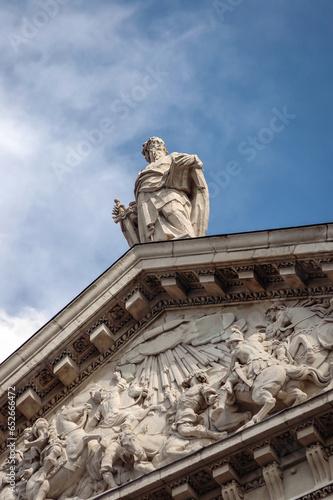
[[89, 63], [16, 329]]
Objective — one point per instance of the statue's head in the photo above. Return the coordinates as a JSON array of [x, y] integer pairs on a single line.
[[273, 310], [198, 376], [40, 425], [98, 394], [153, 149], [235, 337]]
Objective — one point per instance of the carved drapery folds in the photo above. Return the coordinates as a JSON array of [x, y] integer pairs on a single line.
[[182, 384], [171, 198]]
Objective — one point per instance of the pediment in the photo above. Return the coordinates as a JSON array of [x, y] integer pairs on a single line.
[[164, 312]]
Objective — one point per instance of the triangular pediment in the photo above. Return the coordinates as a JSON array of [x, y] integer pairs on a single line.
[[161, 315]]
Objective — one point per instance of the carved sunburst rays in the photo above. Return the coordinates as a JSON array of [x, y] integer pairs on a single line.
[[165, 356], [167, 370]]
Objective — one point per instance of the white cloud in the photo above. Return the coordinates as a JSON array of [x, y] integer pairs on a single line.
[[56, 237], [15, 330]]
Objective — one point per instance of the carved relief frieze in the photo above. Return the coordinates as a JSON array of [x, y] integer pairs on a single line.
[[318, 493], [190, 372], [81, 349], [254, 484]]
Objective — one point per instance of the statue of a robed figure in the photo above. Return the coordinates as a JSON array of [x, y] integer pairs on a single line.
[[171, 198]]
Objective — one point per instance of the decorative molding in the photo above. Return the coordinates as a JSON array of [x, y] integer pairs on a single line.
[[232, 491], [273, 479], [319, 493], [265, 455], [29, 403], [254, 484], [318, 460], [102, 338], [174, 287], [66, 370], [134, 328]]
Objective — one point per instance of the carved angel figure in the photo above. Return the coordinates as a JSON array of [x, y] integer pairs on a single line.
[[171, 198]]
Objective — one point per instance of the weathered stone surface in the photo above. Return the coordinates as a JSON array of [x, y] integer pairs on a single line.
[[102, 338], [309, 435], [265, 455], [213, 285], [328, 270], [293, 276], [181, 379], [137, 305], [29, 403], [171, 198], [184, 492], [225, 473], [174, 287], [66, 370]]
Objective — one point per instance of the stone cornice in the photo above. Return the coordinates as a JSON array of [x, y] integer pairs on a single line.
[[229, 269]]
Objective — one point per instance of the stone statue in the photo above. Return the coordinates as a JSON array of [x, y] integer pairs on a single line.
[[196, 398], [306, 330], [183, 384], [255, 375], [117, 422], [7, 490], [171, 198], [63, 452], [109, 413]]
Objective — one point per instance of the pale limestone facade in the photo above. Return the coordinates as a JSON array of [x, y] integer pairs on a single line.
[[153, 382]]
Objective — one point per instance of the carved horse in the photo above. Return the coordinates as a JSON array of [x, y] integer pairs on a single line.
[[152, 451], [61, 481], [283, 382], [310, 334]]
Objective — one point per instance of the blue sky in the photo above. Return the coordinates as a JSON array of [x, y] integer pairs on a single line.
[[244, 84]]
